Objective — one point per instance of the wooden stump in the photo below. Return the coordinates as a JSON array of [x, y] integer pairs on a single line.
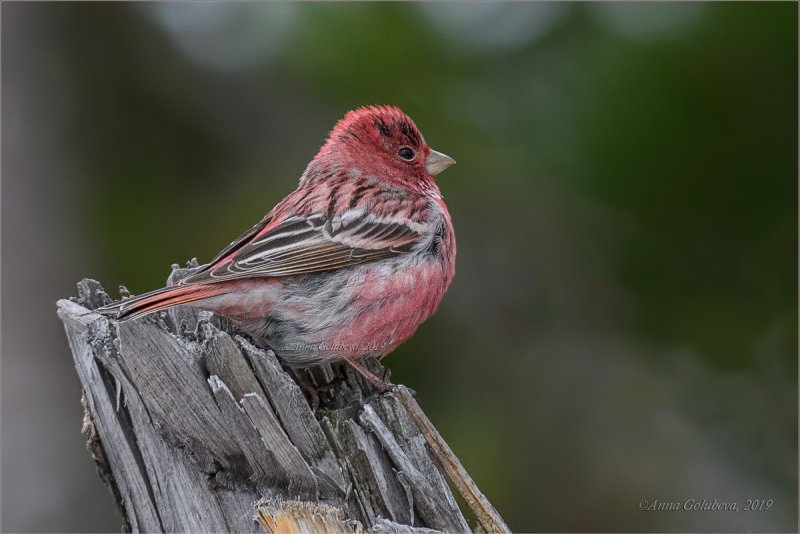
[[194, 428]]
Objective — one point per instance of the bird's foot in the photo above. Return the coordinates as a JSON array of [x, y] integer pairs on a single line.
[[380, 384]]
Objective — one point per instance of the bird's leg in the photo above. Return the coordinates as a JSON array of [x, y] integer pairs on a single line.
[[307, 387], [369, 375]]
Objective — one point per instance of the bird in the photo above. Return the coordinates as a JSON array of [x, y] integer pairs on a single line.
[[348, 265]]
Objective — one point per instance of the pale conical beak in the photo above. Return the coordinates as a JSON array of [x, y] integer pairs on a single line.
[[437, 162]]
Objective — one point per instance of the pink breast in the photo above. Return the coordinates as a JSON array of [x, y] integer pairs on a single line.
[[394, 307]]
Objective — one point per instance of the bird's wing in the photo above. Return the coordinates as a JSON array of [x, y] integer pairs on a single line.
[[313, 243], [240, 241]]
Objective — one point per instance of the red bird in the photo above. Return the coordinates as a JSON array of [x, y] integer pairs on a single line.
[[348, 265]]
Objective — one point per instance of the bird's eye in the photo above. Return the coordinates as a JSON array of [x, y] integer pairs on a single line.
[[407, 153]]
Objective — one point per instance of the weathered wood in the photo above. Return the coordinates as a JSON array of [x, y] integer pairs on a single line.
[[196, 429]]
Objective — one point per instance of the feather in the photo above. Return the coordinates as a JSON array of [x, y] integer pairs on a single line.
[[306, 244]]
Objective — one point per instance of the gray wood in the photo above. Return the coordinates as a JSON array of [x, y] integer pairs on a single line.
[[194, 428]]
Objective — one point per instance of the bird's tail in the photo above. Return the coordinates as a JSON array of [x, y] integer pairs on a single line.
[[153, 301]]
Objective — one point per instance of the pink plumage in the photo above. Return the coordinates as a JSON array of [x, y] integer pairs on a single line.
[[349, 264]]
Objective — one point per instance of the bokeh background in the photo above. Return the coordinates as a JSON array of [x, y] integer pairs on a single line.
[[623, 322]]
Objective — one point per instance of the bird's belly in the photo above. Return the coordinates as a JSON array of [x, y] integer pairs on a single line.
[[391, 307], [365, 311]]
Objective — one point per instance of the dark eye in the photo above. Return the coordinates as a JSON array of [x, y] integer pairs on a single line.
[[407, 153]]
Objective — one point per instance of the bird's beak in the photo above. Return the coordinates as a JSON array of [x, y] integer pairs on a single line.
[[437, 162]]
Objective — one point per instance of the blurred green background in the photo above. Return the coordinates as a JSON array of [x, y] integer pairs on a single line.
[[623, 321]]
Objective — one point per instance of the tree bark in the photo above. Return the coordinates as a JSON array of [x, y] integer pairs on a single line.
[[194, 428]]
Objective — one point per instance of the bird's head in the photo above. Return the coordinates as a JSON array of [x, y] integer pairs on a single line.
[[384, 142]]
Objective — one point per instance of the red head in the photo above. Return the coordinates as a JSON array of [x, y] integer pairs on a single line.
[[382, 141]]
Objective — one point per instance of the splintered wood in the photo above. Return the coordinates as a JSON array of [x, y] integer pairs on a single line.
[[194, 428], [297, 517]]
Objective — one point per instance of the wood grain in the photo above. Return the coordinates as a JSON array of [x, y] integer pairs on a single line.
[[195, 428]]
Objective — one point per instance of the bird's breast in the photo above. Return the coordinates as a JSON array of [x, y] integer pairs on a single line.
[[392, 300]]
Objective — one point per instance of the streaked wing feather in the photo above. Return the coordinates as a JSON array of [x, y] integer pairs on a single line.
[[240, 241], [310, 244]]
